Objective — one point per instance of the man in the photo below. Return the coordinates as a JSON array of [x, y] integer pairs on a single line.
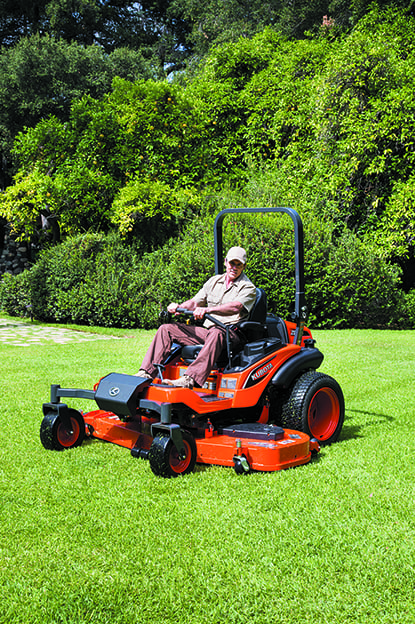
[[229, 298]]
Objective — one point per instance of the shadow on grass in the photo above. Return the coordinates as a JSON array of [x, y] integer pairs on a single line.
[[351, 430]]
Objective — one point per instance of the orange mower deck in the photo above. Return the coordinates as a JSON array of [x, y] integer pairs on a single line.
[[264, 447]]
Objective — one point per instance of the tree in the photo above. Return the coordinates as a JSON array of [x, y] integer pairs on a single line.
[[41, 76], [134, 154], [148, 26], [19, 18]]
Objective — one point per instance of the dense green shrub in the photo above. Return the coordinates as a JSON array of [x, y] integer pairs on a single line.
[[100, 280], [145, 138], [407, 309], [349, 283], [61, 269], [15, 294], [149, 212]]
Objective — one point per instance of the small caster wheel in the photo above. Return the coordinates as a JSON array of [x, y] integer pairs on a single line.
[[240, 463], [57, 433]]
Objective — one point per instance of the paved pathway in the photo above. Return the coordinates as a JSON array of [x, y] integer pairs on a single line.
[[25, 334]]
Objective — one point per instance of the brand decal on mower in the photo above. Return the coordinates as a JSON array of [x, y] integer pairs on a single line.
[[258, 374], [114, 391], [262, 371]]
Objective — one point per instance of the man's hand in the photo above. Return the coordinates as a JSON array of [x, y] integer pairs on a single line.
[[199, 313], [187, 305], [172, 307]]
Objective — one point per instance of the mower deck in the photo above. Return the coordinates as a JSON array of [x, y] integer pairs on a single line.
[[264, 447]]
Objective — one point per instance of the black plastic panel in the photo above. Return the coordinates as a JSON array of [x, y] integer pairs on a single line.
[[255, 431], [118, 393]]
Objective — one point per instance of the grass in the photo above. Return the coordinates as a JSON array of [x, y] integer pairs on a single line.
[[90, 535]]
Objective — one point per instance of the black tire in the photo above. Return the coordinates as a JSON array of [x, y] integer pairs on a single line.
[[164, 457], [316, 407], [55, 434]]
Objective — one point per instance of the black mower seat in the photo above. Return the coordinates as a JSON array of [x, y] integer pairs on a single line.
[[276, 328], [253, 328]]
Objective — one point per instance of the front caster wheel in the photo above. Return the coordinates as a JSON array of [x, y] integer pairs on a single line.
[[58, 433], [316, 407], [240, 464], [164, 457]]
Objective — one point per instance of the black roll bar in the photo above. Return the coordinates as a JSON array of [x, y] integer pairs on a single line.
[[300, 304]]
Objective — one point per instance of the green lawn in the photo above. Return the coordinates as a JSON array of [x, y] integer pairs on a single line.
[[91, 535]]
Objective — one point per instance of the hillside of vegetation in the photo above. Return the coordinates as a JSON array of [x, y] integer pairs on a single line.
[[134, 177]]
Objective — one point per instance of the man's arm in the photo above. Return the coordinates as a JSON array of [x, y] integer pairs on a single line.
[[187, 305], [224, 309]]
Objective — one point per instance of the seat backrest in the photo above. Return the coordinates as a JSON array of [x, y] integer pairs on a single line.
[[258, 313]]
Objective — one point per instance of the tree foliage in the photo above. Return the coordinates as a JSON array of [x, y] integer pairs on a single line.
[[42, 76], [121, 159], [322, 123], [331, 120], [175, 30]]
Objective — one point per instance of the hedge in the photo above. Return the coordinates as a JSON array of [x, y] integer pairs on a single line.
[[98, 279]]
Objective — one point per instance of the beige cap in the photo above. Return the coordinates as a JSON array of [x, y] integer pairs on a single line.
[[236, 253]]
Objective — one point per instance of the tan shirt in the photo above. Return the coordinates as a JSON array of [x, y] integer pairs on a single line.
[[214, 292]]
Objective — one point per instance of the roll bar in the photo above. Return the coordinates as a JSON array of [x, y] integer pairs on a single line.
[[300, 304]]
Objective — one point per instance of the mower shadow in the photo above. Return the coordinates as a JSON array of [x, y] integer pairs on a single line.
[[352, 431]]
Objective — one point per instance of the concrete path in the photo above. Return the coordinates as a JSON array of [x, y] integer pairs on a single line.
[[25, 334]]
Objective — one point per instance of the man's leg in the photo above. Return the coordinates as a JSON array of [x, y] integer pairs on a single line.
[[215, 343], [163, 340]]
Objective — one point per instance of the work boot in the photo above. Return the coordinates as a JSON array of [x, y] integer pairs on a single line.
[[144, 374], [181, 382]]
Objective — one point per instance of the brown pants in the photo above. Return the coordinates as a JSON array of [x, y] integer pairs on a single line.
[[213, 340]]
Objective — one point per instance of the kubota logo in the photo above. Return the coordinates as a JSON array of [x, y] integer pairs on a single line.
[[262, 371]]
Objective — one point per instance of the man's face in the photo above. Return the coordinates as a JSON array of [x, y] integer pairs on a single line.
[[233, 269]]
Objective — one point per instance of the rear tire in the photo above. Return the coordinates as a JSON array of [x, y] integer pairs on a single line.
[[164, 457], [55, 435], [316, 407]]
